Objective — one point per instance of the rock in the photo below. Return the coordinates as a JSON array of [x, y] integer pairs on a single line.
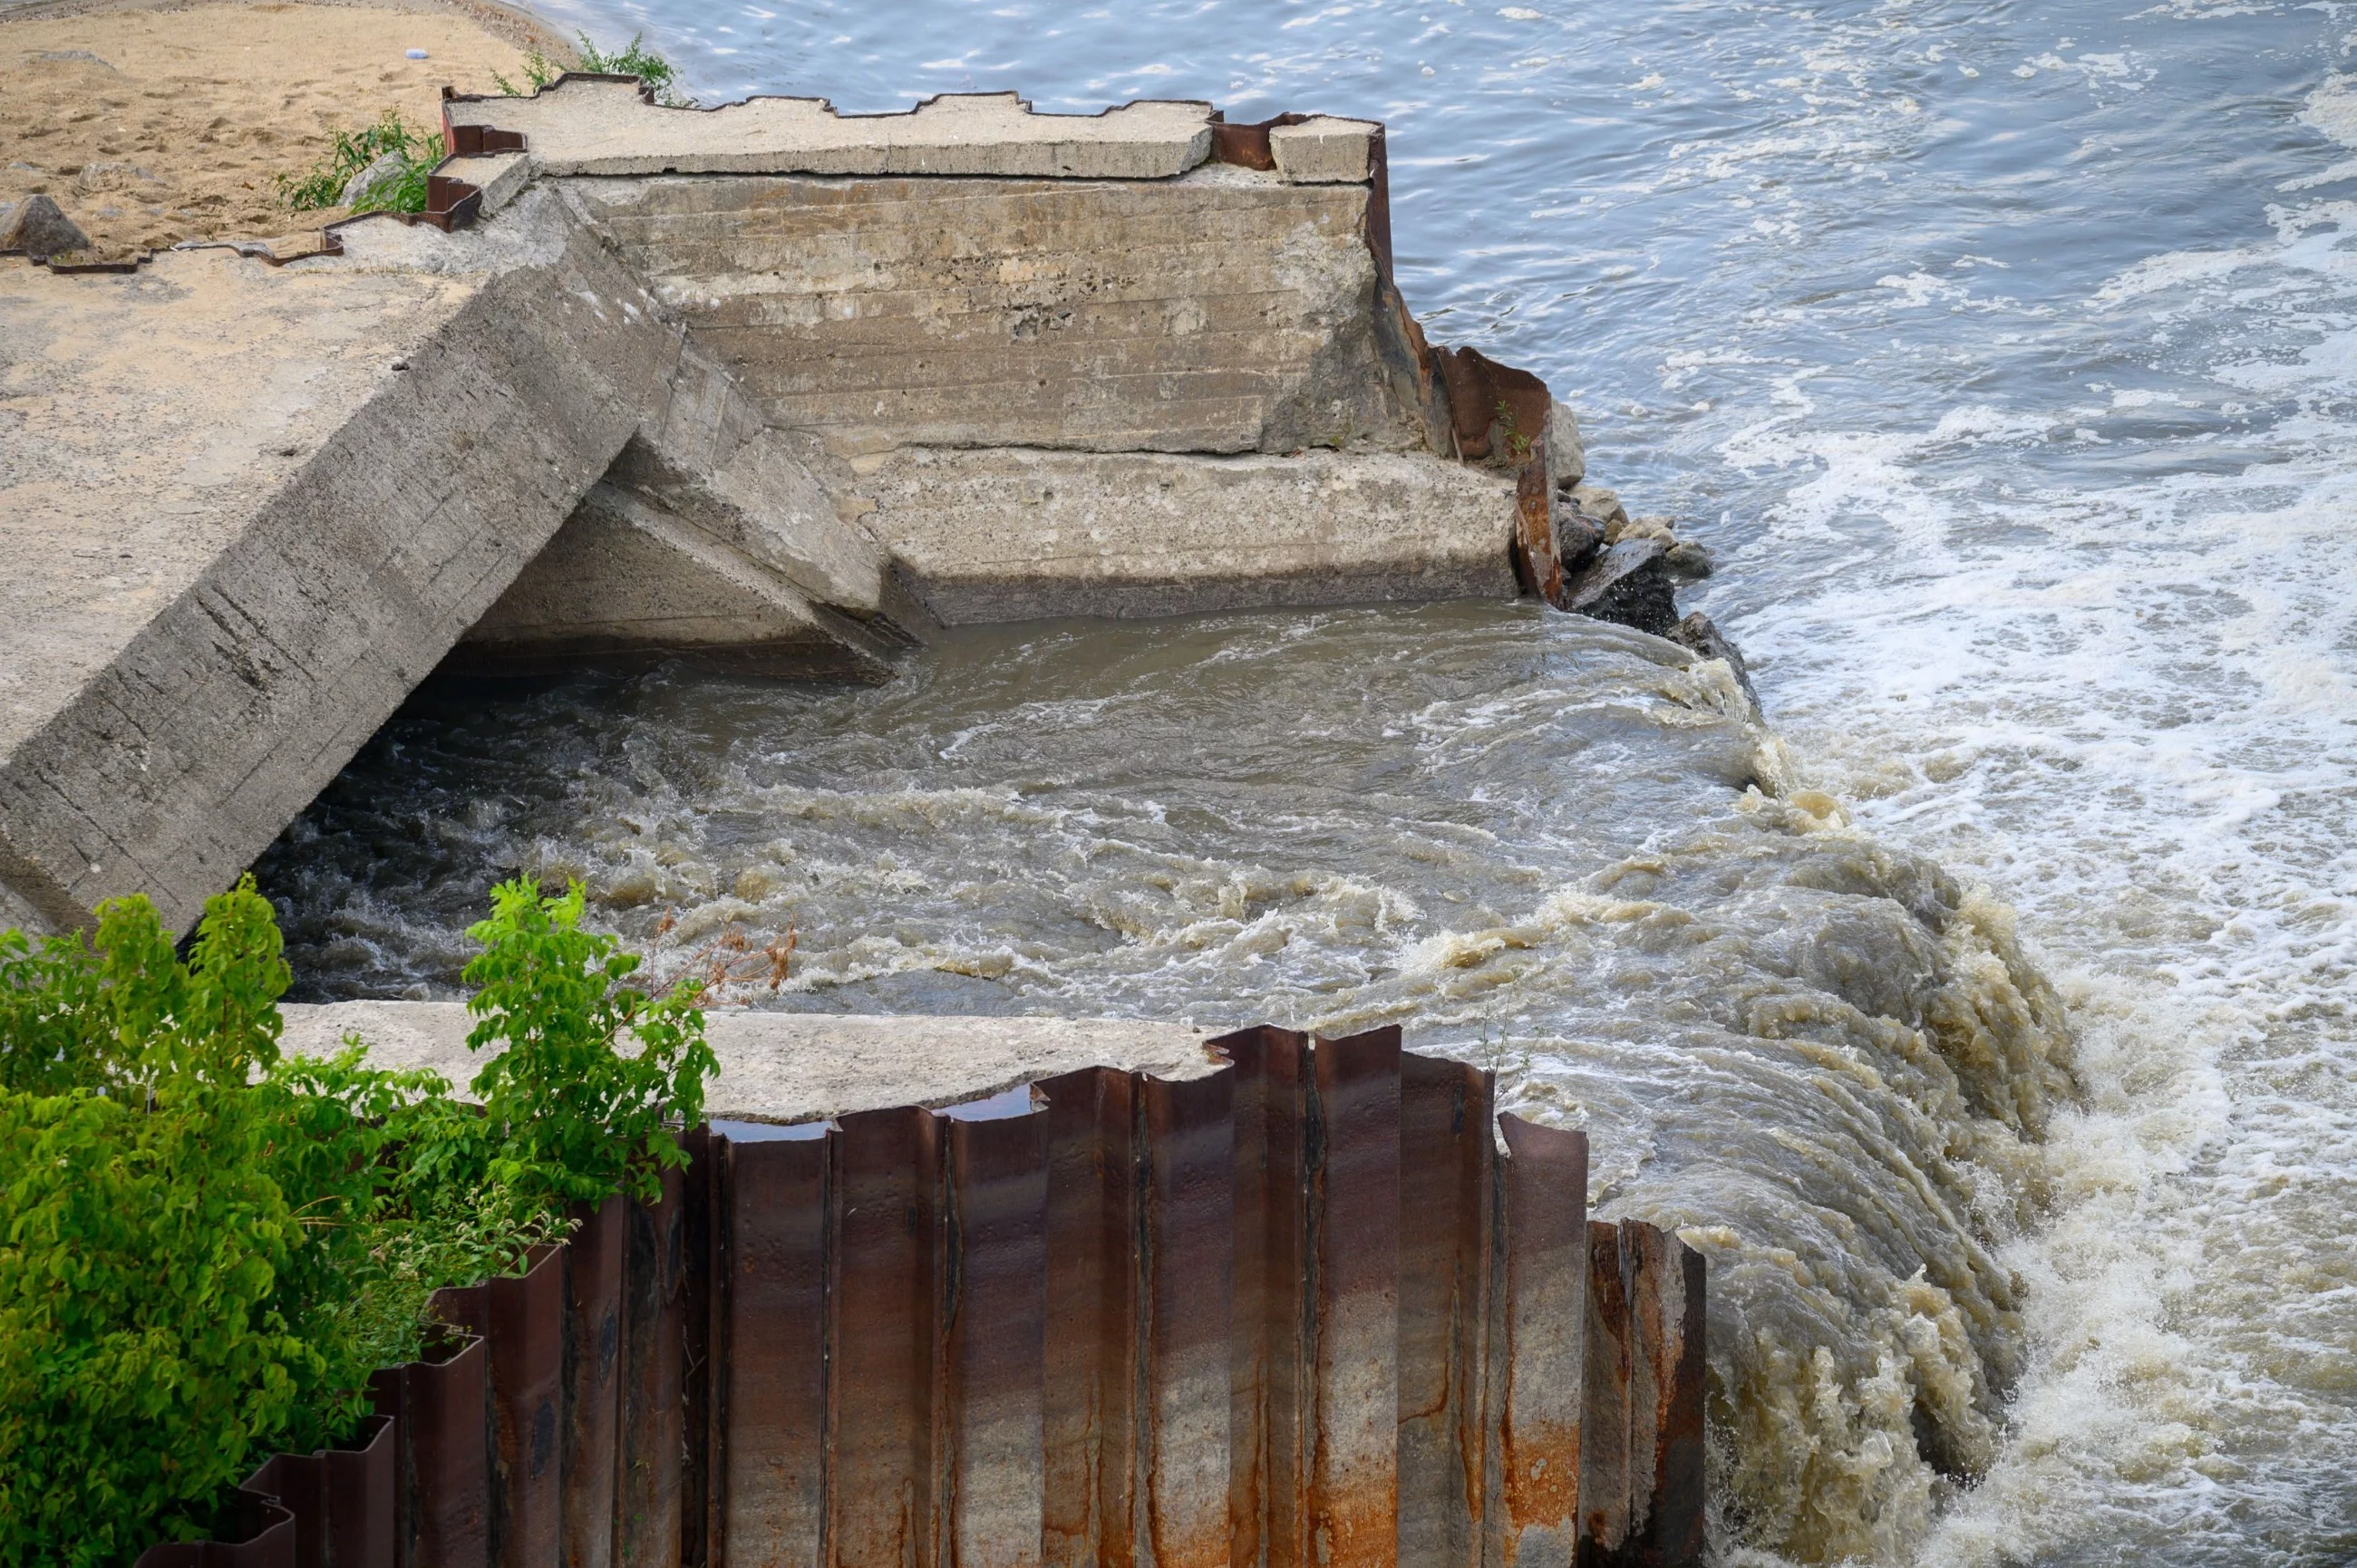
[[388, 166], [1578, 538], [1640, 528], [1696, 633], [39, 230], [1566, 452], [1598, 502], [1626, 585], [1688, 561]]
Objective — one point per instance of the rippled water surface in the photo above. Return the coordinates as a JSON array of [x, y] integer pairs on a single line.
[[2005, 355]]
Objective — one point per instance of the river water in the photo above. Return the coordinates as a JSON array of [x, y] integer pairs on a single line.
[[1989, 1023]]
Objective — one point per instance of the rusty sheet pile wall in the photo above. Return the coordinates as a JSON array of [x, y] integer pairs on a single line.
[[1302, 1312]]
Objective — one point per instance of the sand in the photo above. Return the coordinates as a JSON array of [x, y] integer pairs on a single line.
[[153, 124]]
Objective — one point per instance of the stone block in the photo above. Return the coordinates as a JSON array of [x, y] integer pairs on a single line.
[[1323, 150], [1012, 534]]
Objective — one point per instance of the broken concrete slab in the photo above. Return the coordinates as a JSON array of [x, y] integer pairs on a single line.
[[604, 125], [248, 508], [1324, 150], [800, 1067], [630, 584], [1013, 533]]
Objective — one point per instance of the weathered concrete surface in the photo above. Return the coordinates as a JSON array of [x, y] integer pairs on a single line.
[[247, 509], [1227, 311], [1010, 534], [797, 1067], [628, 583], [602, 125], [1324, 150]]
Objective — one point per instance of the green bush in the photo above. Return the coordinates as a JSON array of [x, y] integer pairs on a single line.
[[204, 1249], [574, 1118]]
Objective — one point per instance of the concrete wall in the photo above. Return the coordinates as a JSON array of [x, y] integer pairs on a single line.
[[1222, 311]]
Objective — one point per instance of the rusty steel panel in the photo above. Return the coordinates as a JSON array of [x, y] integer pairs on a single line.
[[592, 1374], [1089, 1360], [521, 1320], [647, 1520], [695, 1306], [1447, 1158], [1538, 1353], [1301, 1312], [341, 1501], [883, 1273], [1187, 1252], [1604, 1456], [995, 1306], [444, 1414], [770, 1356], [1268, 1471], [265, 1539], [1247, 146], [1352, 1501], [1665, 1397], [359, 1486], [1537, 562]]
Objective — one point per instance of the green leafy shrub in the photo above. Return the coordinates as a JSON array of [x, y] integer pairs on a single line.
[[659, 74], [413, 152], [161, 1307], [575, 1118], [204, 1248]]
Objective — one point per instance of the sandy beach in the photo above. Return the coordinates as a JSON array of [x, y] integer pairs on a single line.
[[150, 124]]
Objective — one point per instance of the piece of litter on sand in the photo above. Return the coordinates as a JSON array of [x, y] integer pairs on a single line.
[[417, 54]]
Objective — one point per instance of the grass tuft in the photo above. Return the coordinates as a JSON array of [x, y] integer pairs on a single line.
[[352, 150], [633, 60]]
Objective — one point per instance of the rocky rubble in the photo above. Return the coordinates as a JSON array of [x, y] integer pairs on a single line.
[[1626, 570]]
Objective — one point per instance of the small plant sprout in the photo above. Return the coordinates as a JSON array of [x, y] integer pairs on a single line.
[[659, 75]]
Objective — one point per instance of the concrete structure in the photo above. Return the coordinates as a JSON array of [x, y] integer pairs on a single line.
[[803, 1067], [768, 386]]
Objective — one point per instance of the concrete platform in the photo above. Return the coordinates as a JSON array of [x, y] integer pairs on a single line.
[[803, 1067]]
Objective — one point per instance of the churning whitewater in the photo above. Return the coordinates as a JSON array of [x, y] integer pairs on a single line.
[[1987, 1022]]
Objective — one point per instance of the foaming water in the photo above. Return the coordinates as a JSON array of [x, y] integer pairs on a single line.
[[2004, 356]]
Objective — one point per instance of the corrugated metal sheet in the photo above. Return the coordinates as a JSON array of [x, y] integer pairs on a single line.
[[1317, 1308]]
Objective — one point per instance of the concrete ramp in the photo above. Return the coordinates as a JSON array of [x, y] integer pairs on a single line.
[[247, 509]]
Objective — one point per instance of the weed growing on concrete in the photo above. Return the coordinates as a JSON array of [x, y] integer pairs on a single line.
[[399, 155], [659, 75]]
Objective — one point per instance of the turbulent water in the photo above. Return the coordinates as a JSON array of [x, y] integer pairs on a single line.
[[2005, 356]]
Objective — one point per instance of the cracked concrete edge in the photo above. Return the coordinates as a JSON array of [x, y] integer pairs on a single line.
[[800, 1067], [603, 125]]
